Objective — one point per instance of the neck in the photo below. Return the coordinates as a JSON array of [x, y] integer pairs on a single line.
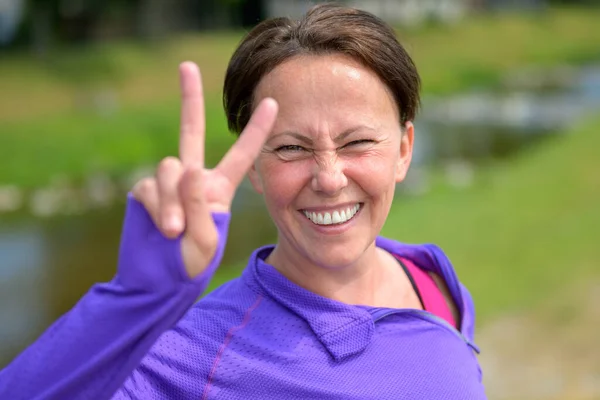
[[371, 280]]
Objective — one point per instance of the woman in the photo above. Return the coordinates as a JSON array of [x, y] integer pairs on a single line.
[[323, 108]]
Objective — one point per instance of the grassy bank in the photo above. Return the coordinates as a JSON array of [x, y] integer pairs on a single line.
[[48, 125], [80, 144]]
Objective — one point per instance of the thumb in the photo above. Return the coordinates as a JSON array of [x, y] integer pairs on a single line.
[[200, 240]]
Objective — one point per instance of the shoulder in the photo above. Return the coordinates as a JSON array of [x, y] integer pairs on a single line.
[[433, 260], [181, 359], [455, 289], [220, 310]]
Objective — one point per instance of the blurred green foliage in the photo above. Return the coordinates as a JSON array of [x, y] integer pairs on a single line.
[[83, 144]]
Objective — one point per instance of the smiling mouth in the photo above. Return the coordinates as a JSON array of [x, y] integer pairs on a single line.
[[336, 217]]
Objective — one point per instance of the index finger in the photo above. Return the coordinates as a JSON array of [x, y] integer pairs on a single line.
[[244, 151], [191, 131]]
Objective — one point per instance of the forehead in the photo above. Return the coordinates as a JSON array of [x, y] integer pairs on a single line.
[[327, 86]]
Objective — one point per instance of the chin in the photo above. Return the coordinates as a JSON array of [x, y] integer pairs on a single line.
[[335, 256], [330, 247]]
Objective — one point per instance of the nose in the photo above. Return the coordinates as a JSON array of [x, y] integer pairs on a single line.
[[328, 176]]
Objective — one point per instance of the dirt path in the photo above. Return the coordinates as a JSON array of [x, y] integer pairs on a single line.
[[550, 354]]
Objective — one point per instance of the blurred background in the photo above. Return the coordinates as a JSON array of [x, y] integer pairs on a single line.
[[506, 175]]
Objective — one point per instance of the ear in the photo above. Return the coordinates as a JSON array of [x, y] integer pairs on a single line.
[[406, 150], [254, 177]]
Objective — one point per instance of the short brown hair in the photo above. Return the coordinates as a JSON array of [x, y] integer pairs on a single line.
[[325, 29]]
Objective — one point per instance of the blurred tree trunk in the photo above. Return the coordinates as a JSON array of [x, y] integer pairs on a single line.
[[217, 14], [252, 12], [156, 18], [477, 5], [42, 18], [151, 21]]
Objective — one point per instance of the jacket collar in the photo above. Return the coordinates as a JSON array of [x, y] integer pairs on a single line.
[[343, 329]]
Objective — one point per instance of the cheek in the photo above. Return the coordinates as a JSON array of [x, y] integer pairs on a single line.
[[374, 173], [282, 182]]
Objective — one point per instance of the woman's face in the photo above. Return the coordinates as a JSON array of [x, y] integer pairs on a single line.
[[329, 168]]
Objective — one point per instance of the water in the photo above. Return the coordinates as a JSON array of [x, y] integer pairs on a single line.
[[48, 263]]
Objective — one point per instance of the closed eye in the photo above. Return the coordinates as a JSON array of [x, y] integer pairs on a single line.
[[290, 148], [358, 142]]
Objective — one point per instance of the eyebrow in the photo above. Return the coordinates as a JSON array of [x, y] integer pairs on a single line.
[[308, 140]]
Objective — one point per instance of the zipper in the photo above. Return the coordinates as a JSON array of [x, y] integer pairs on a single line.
[[426, 315]]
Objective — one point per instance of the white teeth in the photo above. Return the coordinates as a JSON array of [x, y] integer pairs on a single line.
[[337, 217]]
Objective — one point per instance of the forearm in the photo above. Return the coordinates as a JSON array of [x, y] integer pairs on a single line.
[[92, 349]]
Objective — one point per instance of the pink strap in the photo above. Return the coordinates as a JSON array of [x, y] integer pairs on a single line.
[[433, 299]]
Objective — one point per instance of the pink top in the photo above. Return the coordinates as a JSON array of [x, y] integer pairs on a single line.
[[431, 295]]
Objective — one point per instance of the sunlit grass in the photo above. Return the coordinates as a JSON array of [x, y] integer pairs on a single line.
[[479, 50], [138, 74], [81, 144]]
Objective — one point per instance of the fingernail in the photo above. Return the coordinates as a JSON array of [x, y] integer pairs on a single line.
[[174, 224]]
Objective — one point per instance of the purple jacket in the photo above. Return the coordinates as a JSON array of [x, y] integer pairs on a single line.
[[260, 336]]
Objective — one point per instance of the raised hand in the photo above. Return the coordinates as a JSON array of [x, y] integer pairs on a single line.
[[182, 195]]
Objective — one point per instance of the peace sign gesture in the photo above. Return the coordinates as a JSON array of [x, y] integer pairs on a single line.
[[182, 195]]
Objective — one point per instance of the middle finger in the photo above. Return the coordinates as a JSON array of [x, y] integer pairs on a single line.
[[171, 213]]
